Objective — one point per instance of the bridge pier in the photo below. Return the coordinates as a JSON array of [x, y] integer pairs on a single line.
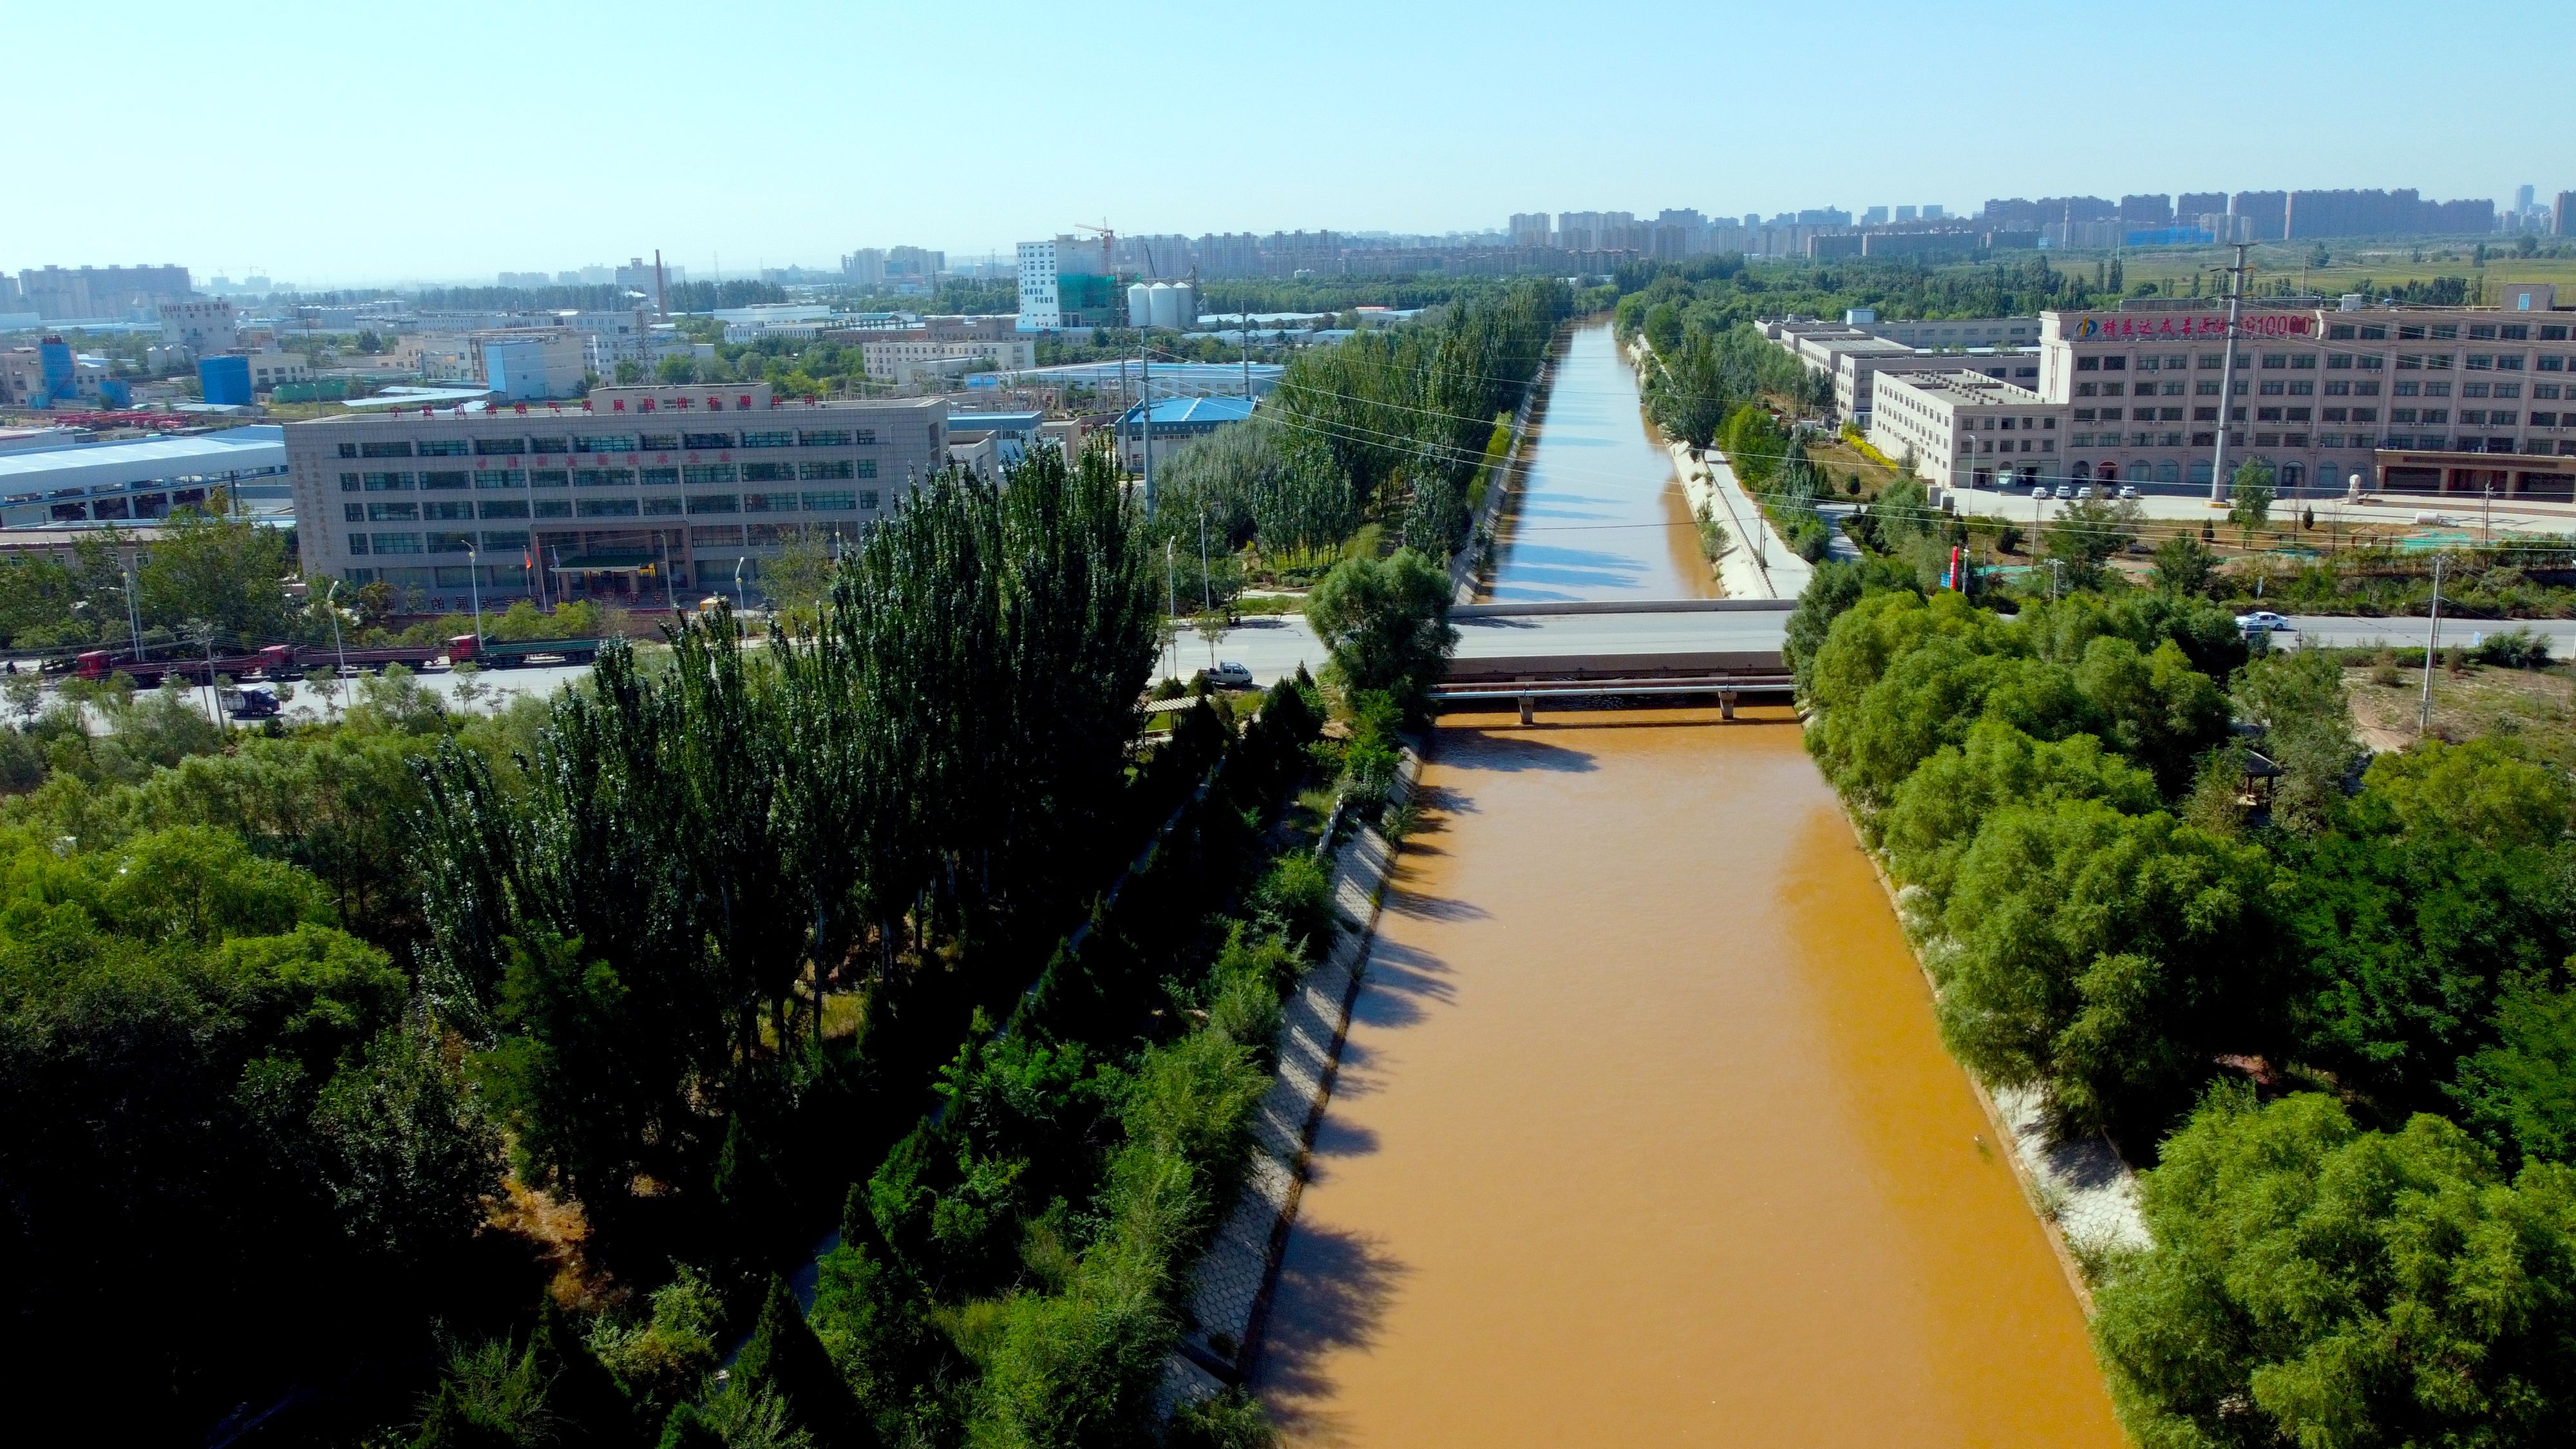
[[1529, 704], [1726, 704]]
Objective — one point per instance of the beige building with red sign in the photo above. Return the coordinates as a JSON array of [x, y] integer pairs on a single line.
[[2320, 394]]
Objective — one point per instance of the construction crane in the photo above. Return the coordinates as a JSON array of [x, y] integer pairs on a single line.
[[1108, 245]]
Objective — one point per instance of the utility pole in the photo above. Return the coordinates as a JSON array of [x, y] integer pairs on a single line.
[[1145, 417], [133, 615], [2432, 636], [2227, 375], [1171, 606], [1207, 595], [2486, 515], [474, 585], [2056, 574]]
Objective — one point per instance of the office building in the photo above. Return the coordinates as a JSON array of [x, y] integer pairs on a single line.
[[632, 494], [2321, 392], [1964, 429], [2563, 214], [886, 358], [1067, 282]]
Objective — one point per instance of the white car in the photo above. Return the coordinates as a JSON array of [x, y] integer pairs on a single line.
[[1228, 675], [2128, 492], [2065, 490], [2262, 621], [2039, 491], [2084, 492]]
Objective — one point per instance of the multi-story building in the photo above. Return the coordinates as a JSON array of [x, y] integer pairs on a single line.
[[885, 358], [630, 494], [1530, 229], [102, 293], [1066, 282], [1856, 350], [202, 327], [2321, 393], [1965, 429]]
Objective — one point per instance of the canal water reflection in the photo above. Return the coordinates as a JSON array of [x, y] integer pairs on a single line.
[[1644, 1136], [1600, 514]]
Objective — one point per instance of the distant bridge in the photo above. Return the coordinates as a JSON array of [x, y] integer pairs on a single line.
[[1613, 649]]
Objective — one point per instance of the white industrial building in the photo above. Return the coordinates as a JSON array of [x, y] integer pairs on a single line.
[[74, 483], [1965, 429]]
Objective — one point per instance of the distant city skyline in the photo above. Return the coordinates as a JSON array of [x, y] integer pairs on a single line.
[[372, 165]]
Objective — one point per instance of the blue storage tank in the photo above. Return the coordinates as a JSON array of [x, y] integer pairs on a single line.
[[226, 379]]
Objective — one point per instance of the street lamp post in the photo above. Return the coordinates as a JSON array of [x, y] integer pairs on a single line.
[[474, 585], [340, 676]]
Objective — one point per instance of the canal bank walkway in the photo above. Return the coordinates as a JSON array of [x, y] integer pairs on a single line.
[[1231, 1287]]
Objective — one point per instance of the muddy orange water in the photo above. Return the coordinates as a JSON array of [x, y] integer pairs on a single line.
[[1643, 1134], [1598, 513]]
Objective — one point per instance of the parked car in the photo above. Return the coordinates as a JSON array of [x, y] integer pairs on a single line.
[[2039, 491], [2262, 621], [2128, 492], [2084, 492], [1228, 675], [2065, 490]]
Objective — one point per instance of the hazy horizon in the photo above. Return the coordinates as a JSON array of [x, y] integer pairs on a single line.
[[391, 149]]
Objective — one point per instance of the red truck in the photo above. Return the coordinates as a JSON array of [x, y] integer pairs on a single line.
[[276, 661]]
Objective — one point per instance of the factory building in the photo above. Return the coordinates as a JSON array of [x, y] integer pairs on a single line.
[[632, 494], [72, 484], [1964, 429]]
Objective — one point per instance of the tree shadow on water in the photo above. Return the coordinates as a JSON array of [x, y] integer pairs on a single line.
[[1508, 749], [1332, 1294]]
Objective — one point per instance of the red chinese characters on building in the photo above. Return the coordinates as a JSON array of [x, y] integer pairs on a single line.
[[2137, 327]]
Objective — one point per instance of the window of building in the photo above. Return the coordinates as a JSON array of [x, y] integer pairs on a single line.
[[508, 538], [603, 477], [2367, 387], [2549, 332], [768, 502], [2365, 415], [2272, 360], [605, 443], [444, 448], [549, 478], [822, 437], [2115, 364], [500, 447], [658, 442], [353, 512], [778, 438], [2339, 331], [348, 450], [2267, 415], [442, 510], [551, 508], [2437, 415], [2473, 389], [2149, 364], [348, 482], [388, 482], [716, 535], [864, 437], [2274, 387], [2204, 415], [2338, 387], [2538, 389], [549, 445], [2517, 332], [2334, 415], [702, 473], [868, 499], [707, 442], [607, 508], [2408, 387], [2299, 415], [2481, 362], [2482, 331], [446, 480], [660, 477], [2373, 332], [451, 543], [2088, 389], [400, 449], [2445, 331], [2210, 361], [500, 480], [503, 508], [2509, 362], [2437, 389], [867, 467], [396, 542], [831, 502], [825, 470], [666, 504]]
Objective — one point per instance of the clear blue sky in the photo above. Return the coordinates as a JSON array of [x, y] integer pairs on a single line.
[[356, 142]]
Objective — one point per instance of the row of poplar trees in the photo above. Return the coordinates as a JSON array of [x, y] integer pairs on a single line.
[[1407, 412], [638, 924]]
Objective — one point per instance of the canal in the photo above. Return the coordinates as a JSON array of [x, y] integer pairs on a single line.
[[1600, 514], [1643, 1133]]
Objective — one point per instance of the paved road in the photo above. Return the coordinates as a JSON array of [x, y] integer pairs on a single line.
[[1273, 648], [2344, 632]]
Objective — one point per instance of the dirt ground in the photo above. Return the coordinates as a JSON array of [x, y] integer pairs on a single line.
[[2538, 705]]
